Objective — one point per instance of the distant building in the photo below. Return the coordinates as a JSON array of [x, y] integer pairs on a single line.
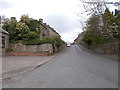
[[79, 39], [4, 41]]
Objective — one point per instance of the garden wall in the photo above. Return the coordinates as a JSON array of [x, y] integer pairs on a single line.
[[44, 48]]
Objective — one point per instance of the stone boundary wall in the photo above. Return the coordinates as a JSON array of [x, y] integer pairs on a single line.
[[27, 54], [20, 48], [112, 49]]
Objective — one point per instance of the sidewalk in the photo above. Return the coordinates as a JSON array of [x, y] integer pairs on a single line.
[[14, 65]]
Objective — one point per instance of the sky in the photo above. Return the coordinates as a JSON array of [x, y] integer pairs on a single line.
[[59, 14]]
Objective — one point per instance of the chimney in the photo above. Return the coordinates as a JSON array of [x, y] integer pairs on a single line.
[[41, 20], [45, 24], [13, 19]]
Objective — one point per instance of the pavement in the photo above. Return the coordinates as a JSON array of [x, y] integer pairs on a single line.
[[15, 65], [75, 67]]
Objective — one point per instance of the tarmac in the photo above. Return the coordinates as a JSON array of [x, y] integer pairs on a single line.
[[15, 65]]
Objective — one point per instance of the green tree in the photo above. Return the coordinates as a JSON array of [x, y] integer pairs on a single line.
[[109, 24], [34, 25], [32, 35], [58, 41], [25, 19], [93, 24], [6, 24], [9, 26], [92, 35], [21, 29], [91, 38]]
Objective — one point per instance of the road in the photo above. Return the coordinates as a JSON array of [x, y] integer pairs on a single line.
[[74, 67]]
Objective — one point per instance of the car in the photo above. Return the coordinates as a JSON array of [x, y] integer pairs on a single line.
[[68, 44]]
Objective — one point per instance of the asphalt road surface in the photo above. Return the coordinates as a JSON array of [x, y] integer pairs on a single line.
[[73, 68]]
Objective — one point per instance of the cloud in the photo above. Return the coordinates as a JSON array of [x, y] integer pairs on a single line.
[[5, 5], [59, 14], [62, 23], [68, 27]]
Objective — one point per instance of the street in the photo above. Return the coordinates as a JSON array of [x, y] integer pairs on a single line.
[[74, 67]]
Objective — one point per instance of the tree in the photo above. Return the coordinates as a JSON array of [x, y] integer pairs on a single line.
[[92, 35], [30, 36], [34, 25], [58, 41], [9, 26], [25, 19], [109, 23], [21, 30], [6, 25], [93, 24]]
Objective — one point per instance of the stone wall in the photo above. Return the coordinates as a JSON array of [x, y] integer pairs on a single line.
[[111, 49], [44, 48]]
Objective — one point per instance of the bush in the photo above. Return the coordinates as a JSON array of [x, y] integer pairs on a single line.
[[32, 35], [39, 41], [53, 40], [91, 39], [8, 50]]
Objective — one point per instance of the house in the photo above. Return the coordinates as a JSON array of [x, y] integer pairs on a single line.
[[79, 39], [46, 31], [4, 41], [52, 32]]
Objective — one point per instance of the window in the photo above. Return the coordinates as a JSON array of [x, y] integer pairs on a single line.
[[3, 42], [43, 35]]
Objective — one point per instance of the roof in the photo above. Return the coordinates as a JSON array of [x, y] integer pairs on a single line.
[[3, 31]]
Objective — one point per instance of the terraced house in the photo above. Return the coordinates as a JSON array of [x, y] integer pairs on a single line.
[[46, 30], [45, 33]]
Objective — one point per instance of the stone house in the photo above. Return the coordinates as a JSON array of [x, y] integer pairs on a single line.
[[52, 32], [79, 39], [4, 41], [46, 30], [43, 30]]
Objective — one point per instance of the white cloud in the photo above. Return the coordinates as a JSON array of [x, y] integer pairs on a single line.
[[61, 14], [71, 35], [58, 13], [4, 4]]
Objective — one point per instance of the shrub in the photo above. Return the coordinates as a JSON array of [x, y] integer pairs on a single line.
[[91, 39], [52, 40], [32, 35], [8, 50], [39, 41]]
